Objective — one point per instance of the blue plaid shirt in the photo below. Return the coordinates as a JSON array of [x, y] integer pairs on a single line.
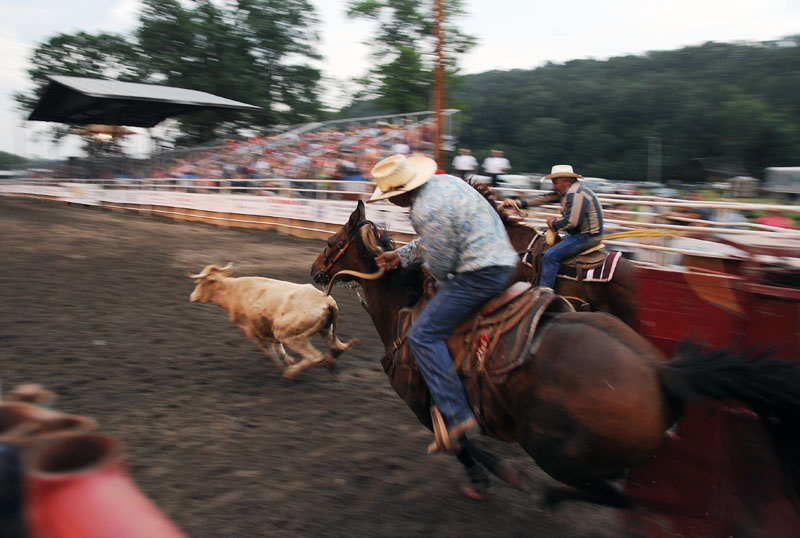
[[458, 230]]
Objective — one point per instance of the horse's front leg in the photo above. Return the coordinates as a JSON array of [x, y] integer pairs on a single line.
[[478, 483], [508, 473]]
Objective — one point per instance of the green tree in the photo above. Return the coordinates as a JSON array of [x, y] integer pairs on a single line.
[[254, 51], [403, 48], [241, 51], [9, 159], [734, 102]]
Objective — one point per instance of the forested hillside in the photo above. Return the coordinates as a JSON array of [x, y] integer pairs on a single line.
[[736, 102]]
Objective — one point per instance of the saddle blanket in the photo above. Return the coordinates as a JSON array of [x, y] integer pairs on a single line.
[[601, 273]]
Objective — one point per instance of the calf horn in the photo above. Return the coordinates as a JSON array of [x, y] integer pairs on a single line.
[[204, 273]]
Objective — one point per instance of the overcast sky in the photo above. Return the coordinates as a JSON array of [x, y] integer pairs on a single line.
[[511, 34]]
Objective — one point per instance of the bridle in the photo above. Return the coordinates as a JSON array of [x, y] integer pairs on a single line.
[[342, 247]]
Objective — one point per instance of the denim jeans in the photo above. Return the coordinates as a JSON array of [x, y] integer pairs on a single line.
[[453, 303], [568, 247]]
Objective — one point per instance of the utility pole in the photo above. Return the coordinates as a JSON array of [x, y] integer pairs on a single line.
[[438, 83]]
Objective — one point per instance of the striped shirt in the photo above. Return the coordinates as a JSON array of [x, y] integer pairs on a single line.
[[458, 230], [581, 211]]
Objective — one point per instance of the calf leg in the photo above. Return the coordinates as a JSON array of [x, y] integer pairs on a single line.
[[277, 347], [273, 354], [308, 353]]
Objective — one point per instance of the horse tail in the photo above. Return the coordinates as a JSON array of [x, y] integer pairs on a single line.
[[769, 386]]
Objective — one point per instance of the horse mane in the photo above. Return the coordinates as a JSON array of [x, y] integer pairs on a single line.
[[491, 196], [382, 238], [410, 278]]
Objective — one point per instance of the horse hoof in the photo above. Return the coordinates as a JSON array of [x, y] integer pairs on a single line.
[[516, 478], [476, 492]]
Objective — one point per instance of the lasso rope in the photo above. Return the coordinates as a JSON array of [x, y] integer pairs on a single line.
[[368, 276], [642, 233], [517, 213]]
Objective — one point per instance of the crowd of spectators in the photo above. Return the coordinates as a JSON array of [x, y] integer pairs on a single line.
[[325, 159]]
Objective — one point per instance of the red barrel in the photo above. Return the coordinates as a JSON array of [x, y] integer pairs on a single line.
[[77, 487]]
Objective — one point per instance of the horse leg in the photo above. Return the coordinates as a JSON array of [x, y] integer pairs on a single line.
[[503, 470], [595, 491], [478, 483]]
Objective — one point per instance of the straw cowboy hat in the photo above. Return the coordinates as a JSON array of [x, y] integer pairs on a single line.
[[399, 174], [562, 170]]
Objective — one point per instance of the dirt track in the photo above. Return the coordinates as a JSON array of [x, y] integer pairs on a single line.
[[95, 306]]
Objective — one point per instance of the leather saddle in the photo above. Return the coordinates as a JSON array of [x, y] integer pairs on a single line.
[[574, 267], [485, 348], [497, 337], [589, 258]]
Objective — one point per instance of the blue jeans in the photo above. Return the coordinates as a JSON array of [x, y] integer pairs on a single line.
[[453, 303], [567, 248]]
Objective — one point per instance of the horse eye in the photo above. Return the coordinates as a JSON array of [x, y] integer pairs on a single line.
[[340, 244]]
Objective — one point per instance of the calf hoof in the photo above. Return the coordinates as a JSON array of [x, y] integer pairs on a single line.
[[350, 343], [330, 363], [289, 372]]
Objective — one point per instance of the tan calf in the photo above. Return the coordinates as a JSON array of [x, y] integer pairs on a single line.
[[274, 311]]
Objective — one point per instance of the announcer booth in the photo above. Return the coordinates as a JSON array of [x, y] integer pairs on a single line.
[[84, 101], [106, 107]]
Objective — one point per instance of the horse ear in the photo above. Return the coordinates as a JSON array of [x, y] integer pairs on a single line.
[[357, 216]]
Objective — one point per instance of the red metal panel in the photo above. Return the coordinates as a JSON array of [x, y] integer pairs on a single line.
[[716, 475], [670, 309]]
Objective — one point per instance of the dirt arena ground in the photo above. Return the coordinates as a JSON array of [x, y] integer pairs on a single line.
[[95, 306]]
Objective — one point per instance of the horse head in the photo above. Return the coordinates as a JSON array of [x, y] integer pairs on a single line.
[[510, 218], [353, 247]]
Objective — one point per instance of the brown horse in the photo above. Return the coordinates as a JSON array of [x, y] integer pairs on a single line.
[[592, 398], [615, 296]]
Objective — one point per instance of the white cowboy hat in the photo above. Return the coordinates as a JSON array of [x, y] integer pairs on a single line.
[[562, 170], [399, 174]]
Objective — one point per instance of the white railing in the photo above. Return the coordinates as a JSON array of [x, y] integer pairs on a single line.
[[202, 193]]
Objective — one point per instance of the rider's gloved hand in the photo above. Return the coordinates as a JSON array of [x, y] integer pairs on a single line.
[[512, 203]]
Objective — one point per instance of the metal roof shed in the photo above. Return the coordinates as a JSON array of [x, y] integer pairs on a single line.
[[90, 100]]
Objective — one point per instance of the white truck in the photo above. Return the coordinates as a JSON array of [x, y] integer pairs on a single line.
[[782, 180]]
